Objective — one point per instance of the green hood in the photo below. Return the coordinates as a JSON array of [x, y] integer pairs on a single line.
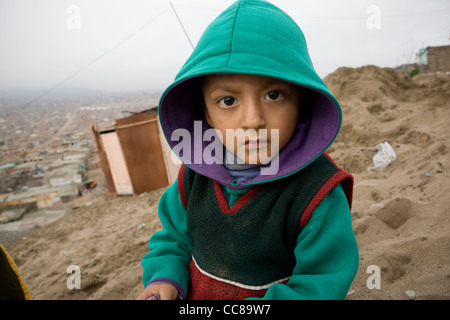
[[251, 37]]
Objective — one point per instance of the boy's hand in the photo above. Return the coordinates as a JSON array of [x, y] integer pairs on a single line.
[[166, 291]]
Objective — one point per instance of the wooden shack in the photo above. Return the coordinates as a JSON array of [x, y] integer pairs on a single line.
[[133, 155], [434, 59]]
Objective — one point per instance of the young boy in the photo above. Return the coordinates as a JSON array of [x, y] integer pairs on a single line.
[[258, 209]]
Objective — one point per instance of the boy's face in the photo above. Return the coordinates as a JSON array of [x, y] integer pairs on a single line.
[[255, 115]]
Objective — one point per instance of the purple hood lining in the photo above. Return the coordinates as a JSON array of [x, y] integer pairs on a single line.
[[314, 133]]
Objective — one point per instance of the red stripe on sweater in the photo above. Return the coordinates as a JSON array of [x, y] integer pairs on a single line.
[[181, 186], [347, 182], [340, 177], [223, 203]]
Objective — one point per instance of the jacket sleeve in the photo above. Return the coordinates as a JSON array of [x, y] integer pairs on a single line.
[[170, 248], [326, 253]]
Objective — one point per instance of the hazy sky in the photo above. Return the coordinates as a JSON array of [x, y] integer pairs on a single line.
[[139, 44]]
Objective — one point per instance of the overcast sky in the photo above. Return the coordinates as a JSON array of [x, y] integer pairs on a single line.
[[139, 44]]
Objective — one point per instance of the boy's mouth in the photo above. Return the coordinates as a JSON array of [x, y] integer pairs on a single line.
[[252, 144]]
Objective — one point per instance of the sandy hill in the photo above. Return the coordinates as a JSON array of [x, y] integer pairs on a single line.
[[400, 213]]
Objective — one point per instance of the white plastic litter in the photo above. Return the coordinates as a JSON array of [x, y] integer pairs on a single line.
[[384, 156]]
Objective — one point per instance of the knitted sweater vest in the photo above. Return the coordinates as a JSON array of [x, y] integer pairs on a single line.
[[240, 251]]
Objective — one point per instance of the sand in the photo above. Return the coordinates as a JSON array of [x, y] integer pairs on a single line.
[[400, 214]]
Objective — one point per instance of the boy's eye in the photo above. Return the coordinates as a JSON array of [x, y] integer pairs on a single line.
[[274, 95], [227, 102]]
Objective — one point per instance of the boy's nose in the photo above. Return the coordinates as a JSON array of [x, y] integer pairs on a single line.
[[252, 115]]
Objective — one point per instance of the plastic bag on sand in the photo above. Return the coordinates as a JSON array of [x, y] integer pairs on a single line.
[[384, 156]]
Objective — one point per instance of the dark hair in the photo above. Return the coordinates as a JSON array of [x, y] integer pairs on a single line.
[[197, 89]]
